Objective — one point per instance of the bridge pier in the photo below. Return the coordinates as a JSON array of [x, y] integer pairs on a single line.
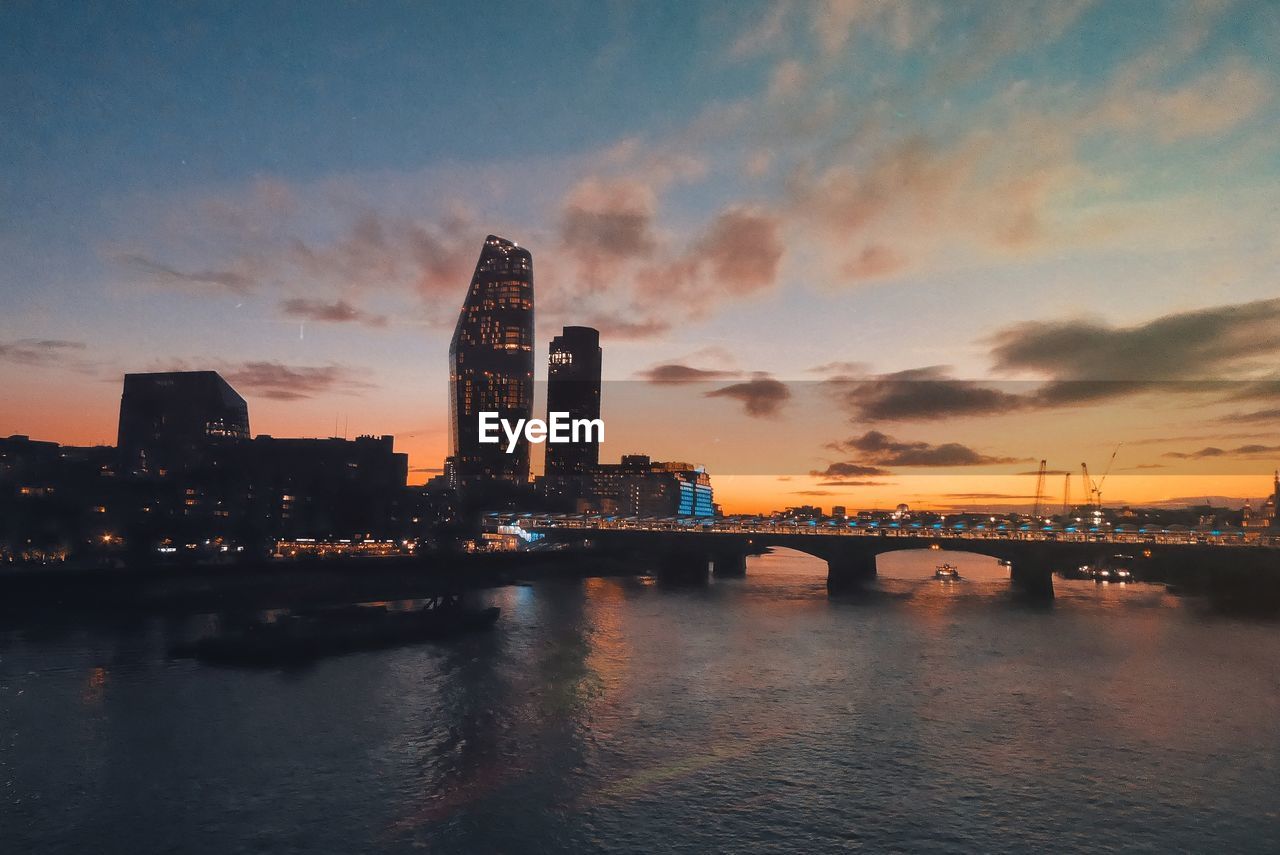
[[1032, 578], [683, 566], [850, 572], [729, 564]]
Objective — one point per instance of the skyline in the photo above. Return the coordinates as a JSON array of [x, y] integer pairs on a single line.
[[999, 221]]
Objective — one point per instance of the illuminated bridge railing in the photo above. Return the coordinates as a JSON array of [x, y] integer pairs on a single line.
[[864, 528]]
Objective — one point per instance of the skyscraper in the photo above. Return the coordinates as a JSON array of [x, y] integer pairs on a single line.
[[573, 387], [169, 420], [491, 366]]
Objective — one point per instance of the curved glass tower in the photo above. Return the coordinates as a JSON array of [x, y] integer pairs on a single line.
[[491, 367]]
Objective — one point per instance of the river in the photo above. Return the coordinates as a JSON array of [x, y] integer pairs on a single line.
[[625, 715]]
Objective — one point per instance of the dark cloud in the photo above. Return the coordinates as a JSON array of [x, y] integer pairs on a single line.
[[846, 483], [1201, 344], [1214, 451], [1086, 362], [293, 382], [847, 469], [674, 373], [760, 396], [876, 448], [166, 275], [338, 312], [920, 394], [41, 352]]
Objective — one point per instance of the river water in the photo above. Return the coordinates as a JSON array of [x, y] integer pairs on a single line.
[[622, 715]]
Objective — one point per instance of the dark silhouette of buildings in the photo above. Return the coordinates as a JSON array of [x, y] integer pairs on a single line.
[[326, 487], [573, 387], [491, 370], [170, 420], [188, 484]]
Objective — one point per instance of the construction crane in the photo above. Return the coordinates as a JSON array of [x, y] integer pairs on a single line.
[[1097, 490], [1035, 509], [1066, 494], [1092, 489]]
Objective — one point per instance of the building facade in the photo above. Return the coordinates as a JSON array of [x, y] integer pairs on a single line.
[[638, 486], [573, 387], [491, 367], [170, 420]]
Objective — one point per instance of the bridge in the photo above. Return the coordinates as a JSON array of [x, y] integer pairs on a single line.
[[691, 548]]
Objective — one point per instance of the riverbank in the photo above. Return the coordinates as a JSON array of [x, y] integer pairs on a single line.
[[267, 584]]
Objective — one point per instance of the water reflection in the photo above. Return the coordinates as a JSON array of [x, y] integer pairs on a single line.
[[623, 715]]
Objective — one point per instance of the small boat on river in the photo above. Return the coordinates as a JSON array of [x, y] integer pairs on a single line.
[[297, 639]]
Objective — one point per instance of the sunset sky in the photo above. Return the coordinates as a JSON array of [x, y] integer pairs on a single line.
[[850, 252]]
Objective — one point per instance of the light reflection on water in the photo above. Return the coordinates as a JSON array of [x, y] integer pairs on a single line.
[[629, 715]]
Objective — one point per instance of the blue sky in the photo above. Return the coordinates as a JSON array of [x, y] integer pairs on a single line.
[[295, 194]]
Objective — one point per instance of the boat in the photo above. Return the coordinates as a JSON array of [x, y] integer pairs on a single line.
[[1115, 569], [947, 573], [298, 639]]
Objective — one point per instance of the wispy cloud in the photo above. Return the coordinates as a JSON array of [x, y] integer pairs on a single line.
[[165, 275], [42, 353], [338, 312], [281, 382]]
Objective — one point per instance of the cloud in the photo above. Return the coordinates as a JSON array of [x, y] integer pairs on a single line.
[[787, 79], [1084, 362], [339, 312], [919, 394], [164, 275], [840, 368], [849, 469], [760, 396], [1270, 415], [675, 373], [763, 33], [1214, 451], [1199, 344], [743, 248], [847, 483], [1210, 105], [873, 262], [42, 353], [609, 219], [876, 448], [900, 23], [281, 382]]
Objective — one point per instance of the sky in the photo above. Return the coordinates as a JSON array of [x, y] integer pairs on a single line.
[[849, 252]]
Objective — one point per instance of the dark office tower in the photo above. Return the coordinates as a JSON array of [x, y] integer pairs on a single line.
[[491, 368], [169, 421], [573, 387]]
